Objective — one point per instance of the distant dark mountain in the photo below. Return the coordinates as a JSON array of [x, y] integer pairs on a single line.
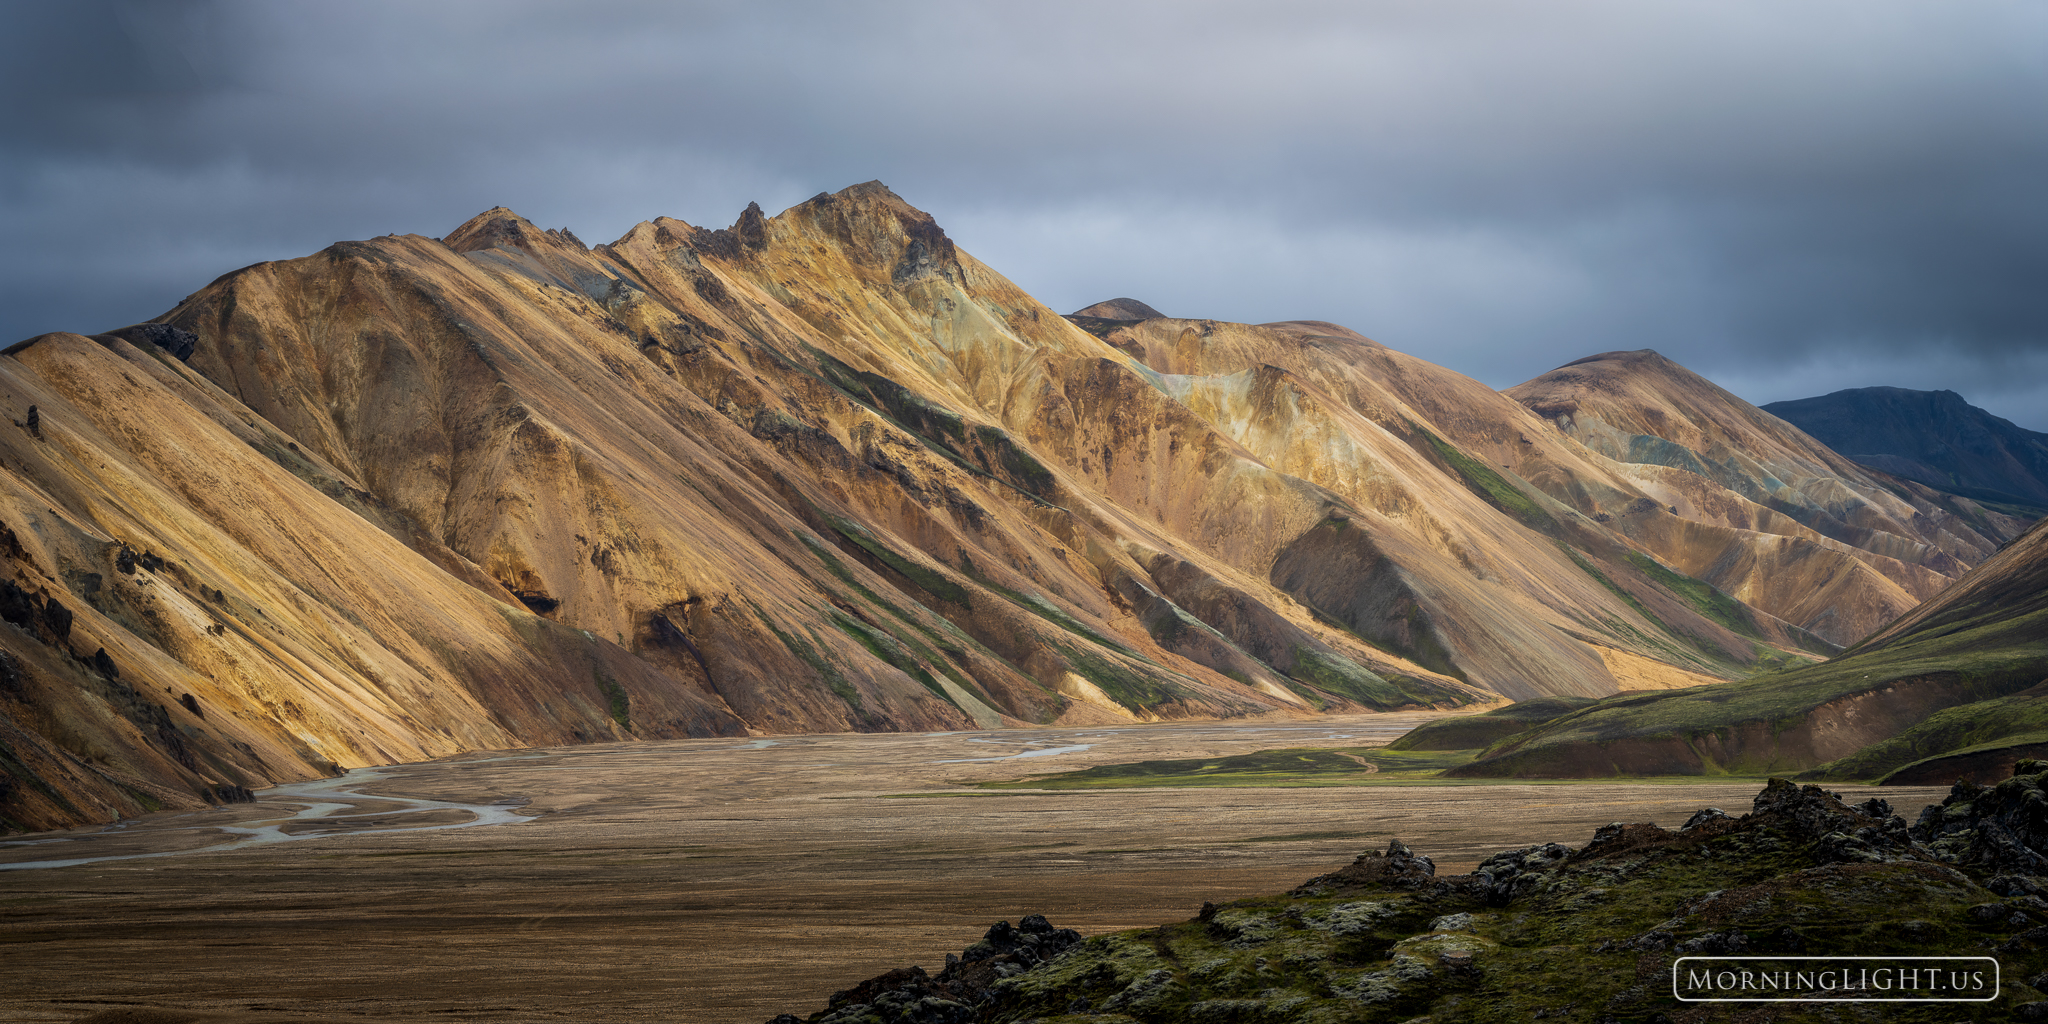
[[1120, 309], [1933, 437]]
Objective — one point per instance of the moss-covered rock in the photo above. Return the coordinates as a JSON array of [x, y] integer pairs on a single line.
[[1591, 933]]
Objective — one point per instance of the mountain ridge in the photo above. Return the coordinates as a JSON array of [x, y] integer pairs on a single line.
[[818, 471]]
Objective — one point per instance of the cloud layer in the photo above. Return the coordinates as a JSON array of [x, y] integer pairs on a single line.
[[1788, 199]]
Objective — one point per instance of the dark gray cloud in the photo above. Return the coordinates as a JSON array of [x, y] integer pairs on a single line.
[[1788, 198]]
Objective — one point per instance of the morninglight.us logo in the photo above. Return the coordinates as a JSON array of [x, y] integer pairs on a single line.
[[1835, 979]]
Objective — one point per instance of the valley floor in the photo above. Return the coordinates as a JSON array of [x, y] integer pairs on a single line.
[[710, 880]]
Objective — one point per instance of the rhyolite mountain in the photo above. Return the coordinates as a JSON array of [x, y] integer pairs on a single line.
[[1933, 437], [1764, 512], [826, 471]]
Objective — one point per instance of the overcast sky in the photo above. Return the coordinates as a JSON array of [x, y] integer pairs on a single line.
[[1790, 198]]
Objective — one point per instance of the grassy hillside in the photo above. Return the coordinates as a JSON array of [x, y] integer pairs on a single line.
[[1474, 732], [1955, 673]]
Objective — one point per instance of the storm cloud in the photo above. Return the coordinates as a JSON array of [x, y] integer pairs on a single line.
[[1789, 199]]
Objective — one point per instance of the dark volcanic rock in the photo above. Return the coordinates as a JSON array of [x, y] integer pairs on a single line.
[[17, 605], [178, 342], [1514, 872], [2001, 830], [1399, 867], [58, 618], [1703, 816], [1867, 832], [752, 227], [1033, 940], [907, 995]]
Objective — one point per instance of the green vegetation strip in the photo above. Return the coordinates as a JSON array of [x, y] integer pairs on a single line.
[[1298, 766], [1489, 485], [1702, 595]]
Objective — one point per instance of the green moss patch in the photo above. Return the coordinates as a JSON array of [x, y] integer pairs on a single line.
[[617, 702], [1709, 601], [891, 650], [828, 673], [927, 579]]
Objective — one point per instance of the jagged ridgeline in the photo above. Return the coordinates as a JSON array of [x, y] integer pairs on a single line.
[[825, 471]]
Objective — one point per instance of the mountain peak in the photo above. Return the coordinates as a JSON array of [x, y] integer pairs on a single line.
[[876, 224], [1645, 374], [1935, 437], [500, 227], [752, 227], [1120, 309], [1628, 357]]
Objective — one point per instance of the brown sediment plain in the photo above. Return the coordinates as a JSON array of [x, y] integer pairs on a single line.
[[706, 880]]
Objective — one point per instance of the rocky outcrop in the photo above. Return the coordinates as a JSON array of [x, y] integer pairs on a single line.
[[1998, 830], [960, 993], [1397, 867], [175, 341]]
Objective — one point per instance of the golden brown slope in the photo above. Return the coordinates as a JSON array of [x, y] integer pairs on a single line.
[[1760, 511], [1765, 513], [1515, 576], [232, 622]]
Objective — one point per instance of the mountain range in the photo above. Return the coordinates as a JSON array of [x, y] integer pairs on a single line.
[[825, 471]]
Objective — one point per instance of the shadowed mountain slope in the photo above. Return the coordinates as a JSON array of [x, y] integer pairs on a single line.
[[821, 471], [1933, 437]]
